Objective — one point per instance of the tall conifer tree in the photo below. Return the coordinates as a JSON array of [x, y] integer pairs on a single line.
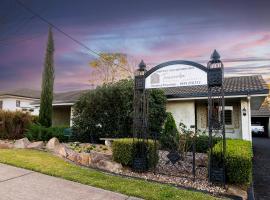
[[46, 99]]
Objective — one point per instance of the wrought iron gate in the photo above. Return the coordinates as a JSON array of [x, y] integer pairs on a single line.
[[171, 160]]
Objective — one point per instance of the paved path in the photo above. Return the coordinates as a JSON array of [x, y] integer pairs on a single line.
[[21, 184], [261, 168]]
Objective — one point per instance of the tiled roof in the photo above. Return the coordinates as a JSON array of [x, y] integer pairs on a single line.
[[264, 111], [27, 93], [68, 97], [241, 85], [65, 97]]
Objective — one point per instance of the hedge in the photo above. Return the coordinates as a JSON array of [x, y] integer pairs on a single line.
[[202, 143], [37, 132], [14, 124], [123, 152], [238, 160]]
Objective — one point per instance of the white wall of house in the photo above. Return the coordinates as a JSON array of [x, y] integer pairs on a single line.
[[246, 120], [9, 103], [182, 111]]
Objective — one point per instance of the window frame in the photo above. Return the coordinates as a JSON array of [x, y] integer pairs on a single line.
[[18, 103]]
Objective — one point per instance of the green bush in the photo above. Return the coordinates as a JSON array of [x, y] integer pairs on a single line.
[[13, 124], [238, 160], [107, 111], [123, 152], [37, 132], [202, 143], [169, 138]]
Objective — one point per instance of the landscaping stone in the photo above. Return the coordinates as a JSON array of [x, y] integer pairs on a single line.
[[83, 159], [21, 143], [53, 144], [4, 144], [96, 157], [62, 150], [36, 145], [73, 156], [109, 166]]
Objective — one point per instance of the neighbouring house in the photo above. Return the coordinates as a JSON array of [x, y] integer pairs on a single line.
[[188, 104], [19, 100], [62, 107], [261, 117]]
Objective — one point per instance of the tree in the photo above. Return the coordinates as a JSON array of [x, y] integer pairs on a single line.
[[107, 111], [46, 109], [169, 138], [110, 68]]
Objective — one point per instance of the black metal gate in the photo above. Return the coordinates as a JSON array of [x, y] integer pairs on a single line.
[[181, 160]]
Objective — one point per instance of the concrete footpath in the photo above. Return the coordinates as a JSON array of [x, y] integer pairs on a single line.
[[21, 184]]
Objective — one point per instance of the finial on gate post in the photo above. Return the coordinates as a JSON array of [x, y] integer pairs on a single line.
[[142, 68], [215, 75], [215, 56]]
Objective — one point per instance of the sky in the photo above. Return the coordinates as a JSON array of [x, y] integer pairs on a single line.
[[154, 30]]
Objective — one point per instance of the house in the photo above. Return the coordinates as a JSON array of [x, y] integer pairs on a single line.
[[19, 100], [262, 117], [62, 107], [188, 104]]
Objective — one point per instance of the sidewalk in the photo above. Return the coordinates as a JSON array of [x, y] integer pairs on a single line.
[[21, 184]]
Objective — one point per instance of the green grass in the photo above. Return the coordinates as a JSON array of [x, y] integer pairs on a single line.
[[48, 164]]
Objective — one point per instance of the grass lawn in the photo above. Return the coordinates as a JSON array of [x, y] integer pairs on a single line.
[[48, 164]]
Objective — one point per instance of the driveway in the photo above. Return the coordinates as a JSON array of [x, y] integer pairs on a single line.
[[261, 168], [21, 184]]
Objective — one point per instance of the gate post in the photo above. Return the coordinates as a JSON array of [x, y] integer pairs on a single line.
[[140, 120], [216, 117]]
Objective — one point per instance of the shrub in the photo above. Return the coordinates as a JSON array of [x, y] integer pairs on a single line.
[[38, 132], [202, 143], [169, 138], [123, 152], [13, 124], [238, 160], [107, 111]]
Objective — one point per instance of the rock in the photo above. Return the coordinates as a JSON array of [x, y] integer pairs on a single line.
[[53, 144], [61, 150], [109, 166], [36, 145], [21, 143], [237, 191], [73, 156], [96, 157], [4, 144], [83, 159]]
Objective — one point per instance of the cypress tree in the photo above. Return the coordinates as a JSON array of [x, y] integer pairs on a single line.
[[46, 99]]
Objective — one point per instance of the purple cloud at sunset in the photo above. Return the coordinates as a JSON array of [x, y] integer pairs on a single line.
[[156, 31]]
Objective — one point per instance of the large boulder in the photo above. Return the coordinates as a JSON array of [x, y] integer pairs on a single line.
[[52, 144], [4, 144], [73, 156], [63, 151], [21, 143], [96, 157], [83, 159], [109, 166], [36, 145]]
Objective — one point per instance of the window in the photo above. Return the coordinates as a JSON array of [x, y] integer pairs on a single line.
[[18, 103], [1, 105], [228, 115]]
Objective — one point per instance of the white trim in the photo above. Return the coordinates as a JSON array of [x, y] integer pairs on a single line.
[[226, 97], [17, 97]]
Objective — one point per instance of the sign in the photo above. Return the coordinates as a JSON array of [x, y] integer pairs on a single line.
[[176, 75]]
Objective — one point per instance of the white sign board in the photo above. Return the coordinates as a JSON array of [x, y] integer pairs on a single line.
[[176, 75]]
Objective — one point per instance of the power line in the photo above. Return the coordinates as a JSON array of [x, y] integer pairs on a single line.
[[64, 33]]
